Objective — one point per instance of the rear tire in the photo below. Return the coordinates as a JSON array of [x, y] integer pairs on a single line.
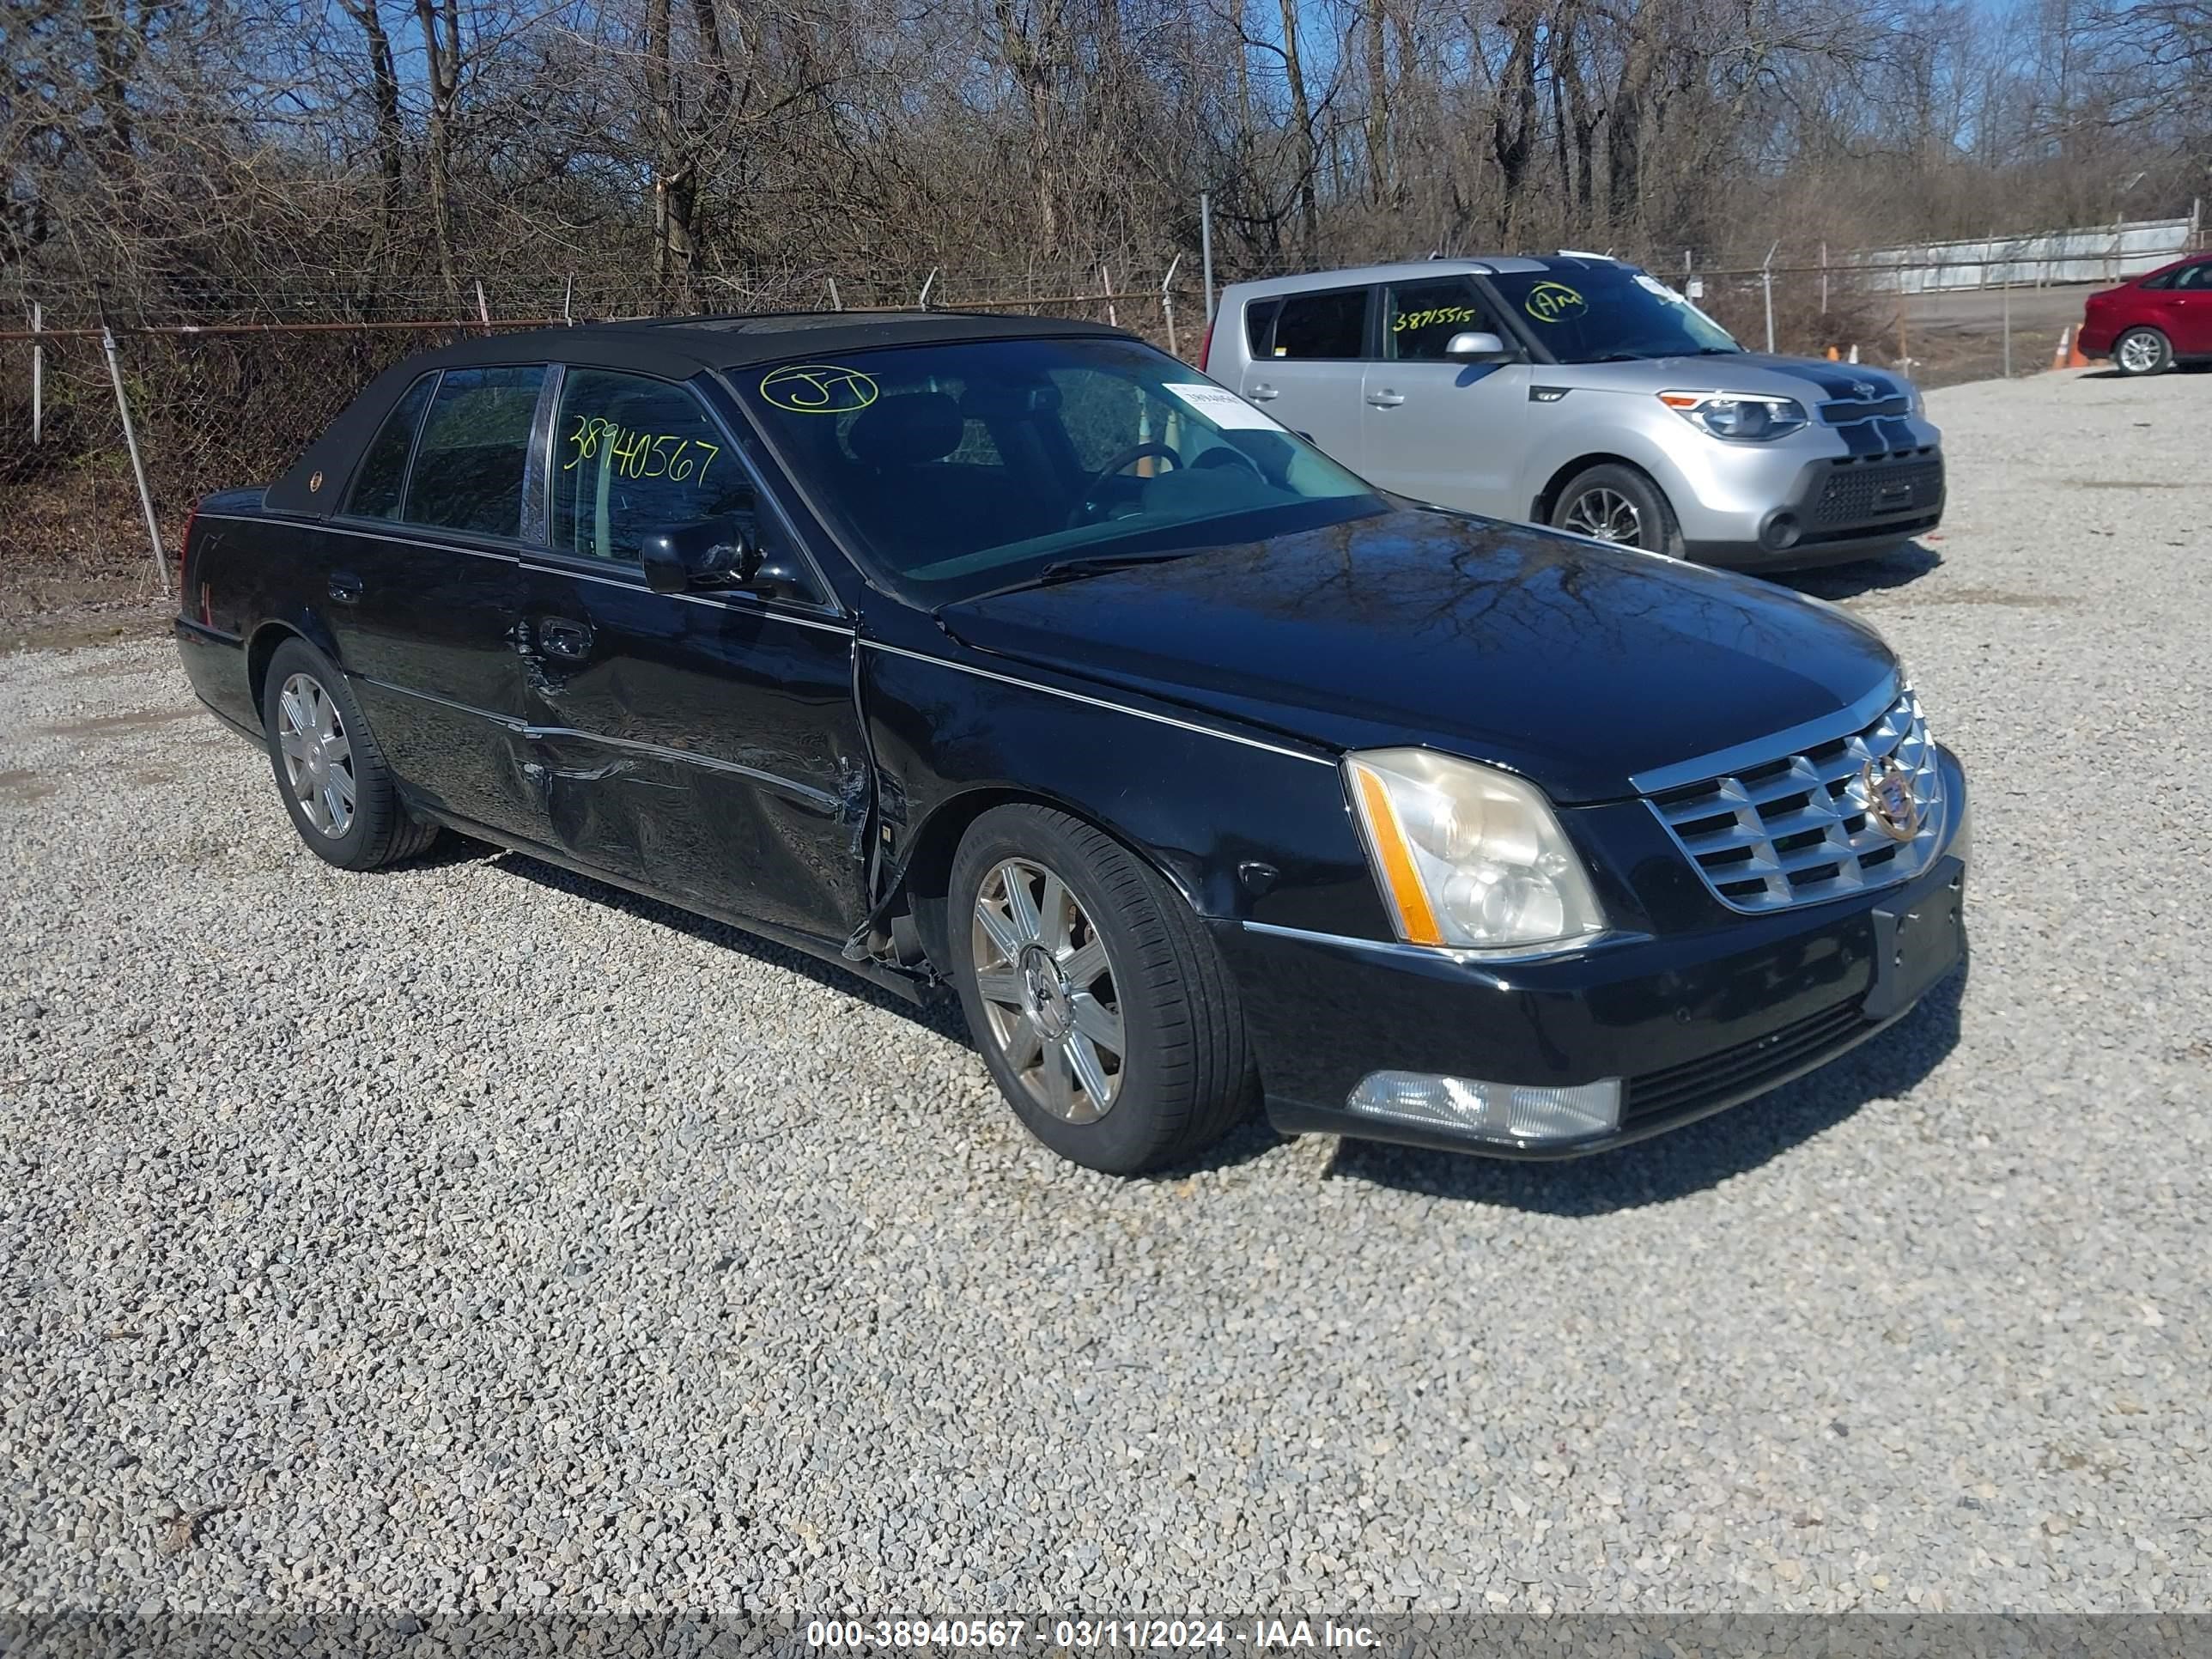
[[329, 770], [2142, 351], [1100, 1006], [1619, 504]]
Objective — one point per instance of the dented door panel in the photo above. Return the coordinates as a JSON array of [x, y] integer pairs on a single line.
[[709, 748]]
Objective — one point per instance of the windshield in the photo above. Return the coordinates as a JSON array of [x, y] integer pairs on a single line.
[[1597, 313], [954, 469]]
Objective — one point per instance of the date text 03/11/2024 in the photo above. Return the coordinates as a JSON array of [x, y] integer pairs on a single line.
[[1148, 1634]]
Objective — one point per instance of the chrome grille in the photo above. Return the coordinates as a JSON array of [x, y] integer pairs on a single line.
[[1795, 830]]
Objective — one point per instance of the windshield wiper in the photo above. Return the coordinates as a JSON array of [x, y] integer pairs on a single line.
[[1068, 570]]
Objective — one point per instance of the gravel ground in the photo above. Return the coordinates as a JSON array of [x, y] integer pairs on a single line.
[[470, 1235]]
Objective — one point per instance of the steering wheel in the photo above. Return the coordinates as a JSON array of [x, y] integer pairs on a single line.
[[1086, 505]]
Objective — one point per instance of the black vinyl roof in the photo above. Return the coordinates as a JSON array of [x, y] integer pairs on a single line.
[[673, 347], [678, 347]]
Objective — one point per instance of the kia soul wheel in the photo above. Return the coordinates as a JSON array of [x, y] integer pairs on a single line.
[[1099, 1004]]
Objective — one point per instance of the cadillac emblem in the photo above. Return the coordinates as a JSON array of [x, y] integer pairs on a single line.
[[1888, 785]]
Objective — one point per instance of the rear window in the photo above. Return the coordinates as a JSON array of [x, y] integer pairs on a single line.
[[1258, 324], [475, 445], [384, 470], [1322, 325]]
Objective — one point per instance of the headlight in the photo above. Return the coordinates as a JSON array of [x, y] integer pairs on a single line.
[[1467, 856], [1741, 417]]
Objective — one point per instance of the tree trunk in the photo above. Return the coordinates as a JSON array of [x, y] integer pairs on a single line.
[[440, 23], [1305, 151], [391, 145], [1378, 107]]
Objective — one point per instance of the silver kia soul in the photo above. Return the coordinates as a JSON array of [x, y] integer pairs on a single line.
[[1583, 392]]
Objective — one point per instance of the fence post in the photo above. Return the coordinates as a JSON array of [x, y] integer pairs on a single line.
[[835, 304], [1206, 248], [1106, 287], [138, 467], [1824, 279], [38, 372], [568, 301], [484, 311], [1766, 283], [922, 304], [1167, 304], [2008, 324]]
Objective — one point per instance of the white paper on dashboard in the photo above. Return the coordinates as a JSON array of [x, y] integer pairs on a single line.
[[1223, 407]]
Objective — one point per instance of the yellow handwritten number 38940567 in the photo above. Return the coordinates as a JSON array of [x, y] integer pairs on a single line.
[[640, 454]]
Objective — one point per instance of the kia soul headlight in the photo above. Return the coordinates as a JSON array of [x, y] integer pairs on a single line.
[[1468, 857], [1738, 416]]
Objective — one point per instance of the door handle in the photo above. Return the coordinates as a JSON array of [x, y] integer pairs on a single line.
[[557, 636], [1386, 399], [1263, 393], [345, 587]]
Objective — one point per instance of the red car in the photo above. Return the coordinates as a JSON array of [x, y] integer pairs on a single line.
[[2149, 324]]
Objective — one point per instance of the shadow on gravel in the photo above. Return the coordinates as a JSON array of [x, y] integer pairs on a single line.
[[1687, 1160], [1848, 582], [941, 1015]]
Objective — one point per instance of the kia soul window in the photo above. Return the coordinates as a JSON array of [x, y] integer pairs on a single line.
[[1609, 312]]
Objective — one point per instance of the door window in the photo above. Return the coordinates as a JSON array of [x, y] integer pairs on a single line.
[[632, 456], [2194, 279], [383, 472], [1419, 319], [1259, 323], [475, 445], [1323, 326]]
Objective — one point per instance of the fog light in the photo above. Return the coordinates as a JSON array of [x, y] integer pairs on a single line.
[[1781, 532], [1490, 1111]]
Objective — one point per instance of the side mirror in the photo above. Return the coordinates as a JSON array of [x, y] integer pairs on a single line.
[[1473, 345], [722, 552]]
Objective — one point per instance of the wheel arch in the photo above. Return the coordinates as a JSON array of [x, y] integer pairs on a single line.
[[921, 892], [1548, 497], [267, 640]]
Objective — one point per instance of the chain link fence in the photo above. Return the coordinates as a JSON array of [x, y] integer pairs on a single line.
[[224, 388], [226, 382]]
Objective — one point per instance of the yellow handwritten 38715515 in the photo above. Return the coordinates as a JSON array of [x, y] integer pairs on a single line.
[[637, 455], [1411, 319]]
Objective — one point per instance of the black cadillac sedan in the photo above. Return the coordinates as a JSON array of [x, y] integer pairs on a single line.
[[1014, 655]]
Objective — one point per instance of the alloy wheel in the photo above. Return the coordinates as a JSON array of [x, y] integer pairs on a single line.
[[1606, 514], [1047, 986], [317, 757], [2139, 354]]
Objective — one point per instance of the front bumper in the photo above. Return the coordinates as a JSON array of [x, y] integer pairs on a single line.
[[1825, 494], [1691, 1023]]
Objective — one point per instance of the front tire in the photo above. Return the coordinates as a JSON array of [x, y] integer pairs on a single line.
[[2141, 351], [329, 769], [1618, 504], [1100, 1006]]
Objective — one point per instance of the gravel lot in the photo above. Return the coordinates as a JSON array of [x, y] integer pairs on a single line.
[[471, 1235]]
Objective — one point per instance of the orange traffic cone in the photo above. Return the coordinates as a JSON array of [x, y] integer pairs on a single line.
[[2059, 358], [2074, 357], [1834, 356]]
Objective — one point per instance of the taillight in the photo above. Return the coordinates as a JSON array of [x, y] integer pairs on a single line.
[[1205, 346], [185, 546]]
